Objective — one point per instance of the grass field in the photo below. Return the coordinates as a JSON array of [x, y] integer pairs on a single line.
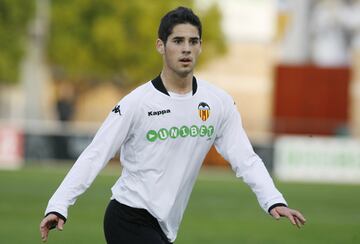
[[222, 210]]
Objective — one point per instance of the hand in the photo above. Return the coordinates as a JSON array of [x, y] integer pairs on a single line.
[[50, 222], [295, 217]]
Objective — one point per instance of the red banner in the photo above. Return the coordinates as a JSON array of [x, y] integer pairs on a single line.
[[11, 148]]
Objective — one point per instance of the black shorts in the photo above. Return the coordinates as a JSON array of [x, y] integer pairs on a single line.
[[127, 225]]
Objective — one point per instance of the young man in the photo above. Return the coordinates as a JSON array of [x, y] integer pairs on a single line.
[[164, 130]]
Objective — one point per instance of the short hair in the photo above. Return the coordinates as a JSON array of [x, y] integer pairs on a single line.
[[180, 15]]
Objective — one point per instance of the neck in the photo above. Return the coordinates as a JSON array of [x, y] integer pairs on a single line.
[[177, 84]]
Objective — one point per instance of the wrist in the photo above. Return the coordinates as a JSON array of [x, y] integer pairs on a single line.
[[58, 215], [276, 205]]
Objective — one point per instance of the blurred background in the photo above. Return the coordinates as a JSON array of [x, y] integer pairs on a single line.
[[292, 67]]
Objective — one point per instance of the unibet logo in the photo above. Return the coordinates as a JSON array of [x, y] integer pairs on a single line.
[[174, 132], [163, 134], [194, 131], [203, 131], [183, 131], [151, 135]]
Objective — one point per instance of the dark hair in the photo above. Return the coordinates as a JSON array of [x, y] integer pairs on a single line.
[[180, 15]]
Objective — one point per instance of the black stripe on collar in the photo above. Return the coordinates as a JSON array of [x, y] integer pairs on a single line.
[[159, 85]]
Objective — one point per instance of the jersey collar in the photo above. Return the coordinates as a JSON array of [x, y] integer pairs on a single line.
[[159, 85]]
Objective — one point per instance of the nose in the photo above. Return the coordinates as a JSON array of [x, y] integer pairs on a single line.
[[186, 47]]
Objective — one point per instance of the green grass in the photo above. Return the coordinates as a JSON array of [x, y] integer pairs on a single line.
[[222, 210]]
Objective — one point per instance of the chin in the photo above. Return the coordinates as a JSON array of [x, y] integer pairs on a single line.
[[184, 73], [187, 70]]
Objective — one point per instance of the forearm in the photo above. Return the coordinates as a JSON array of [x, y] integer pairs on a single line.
[[257, 177], [77, 181]]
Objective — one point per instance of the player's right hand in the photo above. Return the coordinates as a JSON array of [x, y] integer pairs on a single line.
[[50, 222]]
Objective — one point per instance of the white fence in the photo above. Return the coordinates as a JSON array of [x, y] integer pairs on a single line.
[[317, 159]]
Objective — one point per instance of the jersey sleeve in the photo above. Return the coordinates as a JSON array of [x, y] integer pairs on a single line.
[[233, 144], [94, 158]]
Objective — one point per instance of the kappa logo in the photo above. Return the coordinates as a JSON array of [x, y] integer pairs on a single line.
[[160, 112], [204, 111], [116, 110]]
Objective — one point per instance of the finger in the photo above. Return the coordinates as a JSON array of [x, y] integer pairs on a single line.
[[301, 221], [44, 233], [290, 217], [46, 225], [44, 237], [60, 225], [275, 214], [44, 230], [300, 217], [298, 222]]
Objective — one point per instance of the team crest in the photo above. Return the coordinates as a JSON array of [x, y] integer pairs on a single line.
[[204, 111]]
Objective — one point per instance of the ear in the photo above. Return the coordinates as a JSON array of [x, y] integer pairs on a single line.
[[160, 46]]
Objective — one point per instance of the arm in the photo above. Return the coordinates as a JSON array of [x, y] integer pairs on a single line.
[[93, 159], [233, 144]]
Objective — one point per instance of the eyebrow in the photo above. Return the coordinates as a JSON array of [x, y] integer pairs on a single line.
[[195, 38], [182, 38]]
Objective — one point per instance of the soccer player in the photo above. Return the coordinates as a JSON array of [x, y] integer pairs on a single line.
[[164, 129]]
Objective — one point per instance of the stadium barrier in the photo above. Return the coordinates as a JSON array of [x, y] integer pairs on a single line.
[[55, 141], [68, 147], [11, 147], [45, 142], [317, 159]]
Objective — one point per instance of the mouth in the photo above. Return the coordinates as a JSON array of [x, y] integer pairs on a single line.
[[185, 60]]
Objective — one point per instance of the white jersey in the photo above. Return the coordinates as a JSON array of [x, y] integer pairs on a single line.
[[163, 141]]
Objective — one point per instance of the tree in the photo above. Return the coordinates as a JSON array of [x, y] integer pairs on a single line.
[[14, 19], [213, 36], [111, 40]]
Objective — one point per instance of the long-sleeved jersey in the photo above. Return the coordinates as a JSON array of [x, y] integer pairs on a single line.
[[163, 141]]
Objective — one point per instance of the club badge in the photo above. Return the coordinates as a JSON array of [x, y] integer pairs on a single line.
[[204, 111]]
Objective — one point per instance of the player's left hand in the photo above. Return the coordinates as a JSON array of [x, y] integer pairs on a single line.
[[295, 217]]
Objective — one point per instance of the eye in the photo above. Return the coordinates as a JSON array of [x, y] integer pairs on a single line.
[[177, 41], [194, 41]]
